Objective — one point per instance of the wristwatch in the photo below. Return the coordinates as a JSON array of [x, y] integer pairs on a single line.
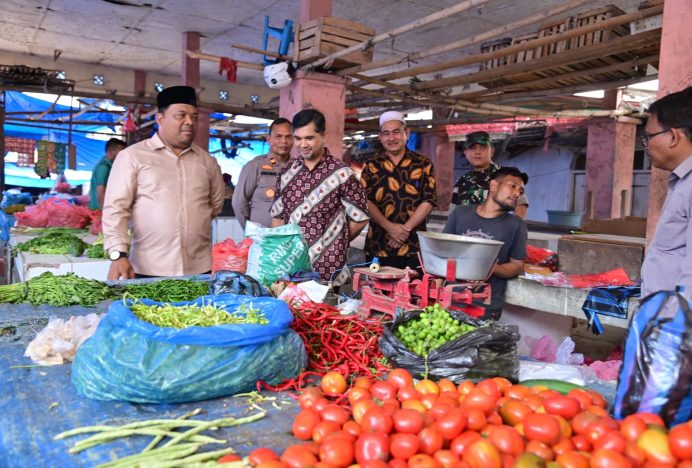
[[116, 255]]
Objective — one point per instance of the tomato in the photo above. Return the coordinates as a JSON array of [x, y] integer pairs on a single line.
[[651, 418], [517, 392], [632, 427], [475, 419], [451, 424], [654, 443], [376, 420], [451, 395], [514, 411], [479, 399], [542, 427], [534, 402], [612, 440], [372, 464], [680, 441], [361, 407], [363, 382], [397, 463], [408, 421], [582, 396], [430, 440], [333, 383], [272, 464], [446, 385], [309, 396], [408, 393], [352, 427], [564, 445], [446, 458], [582, 420], [572, 459], [529, 460], [337, 452], [459, 444], [391, 406], [320, 404], [565, 428], [343, 435], [540, 449], [427, 386], [581, 443], [439, 409], [261, 455], [400, 378], [564, 406], [298, 456], [507, 440], [494, 419], [445, 399], [372, 446], [482, 454], [422, 460], [604, 458], [545, 394], [356, 393], [335, 413], [304, 424], [415, 405], [634, 454], [403, 446], [429, 399], [596, 398], [383, 390], [231, 457], [465, 387], [598, 429], [490, 387], [323, 429]]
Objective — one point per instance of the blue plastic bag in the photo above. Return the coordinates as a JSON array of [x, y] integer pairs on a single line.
[[10, 197], [656, 372], [6, 222], [131, 360]]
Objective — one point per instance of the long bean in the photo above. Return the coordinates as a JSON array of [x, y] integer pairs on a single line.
[[59, 291], [110, 435], [159, 454], [191, 315], [169, 290]]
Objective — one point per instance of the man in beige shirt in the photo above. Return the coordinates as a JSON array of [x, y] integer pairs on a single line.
[[166, 190]]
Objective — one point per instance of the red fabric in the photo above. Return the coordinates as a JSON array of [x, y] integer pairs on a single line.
[[129, 125], [229, 66], [228, 255], [617, 277]]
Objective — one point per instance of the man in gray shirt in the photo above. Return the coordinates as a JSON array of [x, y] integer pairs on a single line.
[[668, 142], [254, 193], [493, 219]]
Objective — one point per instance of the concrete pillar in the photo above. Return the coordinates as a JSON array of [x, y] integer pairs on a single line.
[[140, 83], [609, 166], [311, 9], [673, 75], [440, 150], [327, 94], [191, 77]]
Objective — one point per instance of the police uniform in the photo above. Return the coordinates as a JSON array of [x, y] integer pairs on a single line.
[[255, 190]]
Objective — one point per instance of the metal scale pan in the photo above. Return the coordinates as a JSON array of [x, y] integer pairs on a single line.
[[471, 257]]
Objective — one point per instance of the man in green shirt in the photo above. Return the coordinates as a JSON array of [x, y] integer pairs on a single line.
[[99, 176]]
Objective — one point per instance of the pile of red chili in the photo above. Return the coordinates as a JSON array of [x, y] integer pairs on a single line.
[[344, 343]]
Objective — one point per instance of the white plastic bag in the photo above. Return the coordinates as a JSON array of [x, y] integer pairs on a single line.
[[58, 342]]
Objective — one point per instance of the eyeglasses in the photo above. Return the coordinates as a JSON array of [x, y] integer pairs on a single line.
[[648, 136]]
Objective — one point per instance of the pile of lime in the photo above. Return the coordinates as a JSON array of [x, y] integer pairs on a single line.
[[431, 329]]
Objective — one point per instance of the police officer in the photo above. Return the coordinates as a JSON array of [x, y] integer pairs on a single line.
[[254, 193]]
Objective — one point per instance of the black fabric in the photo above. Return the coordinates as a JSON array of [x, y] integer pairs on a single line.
[[176, 95]]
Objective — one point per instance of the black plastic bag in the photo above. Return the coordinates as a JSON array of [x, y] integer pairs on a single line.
[[488, 351], [656, 372], [235, 282]]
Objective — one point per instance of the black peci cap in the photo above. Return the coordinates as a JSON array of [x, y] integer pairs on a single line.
[[176, 95]]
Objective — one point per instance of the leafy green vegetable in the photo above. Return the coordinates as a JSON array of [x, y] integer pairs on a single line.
[[96, 249], [59, 291], [53, 243]]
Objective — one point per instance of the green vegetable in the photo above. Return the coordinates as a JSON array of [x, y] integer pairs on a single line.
[[431, 329], [191, 315], [169, 290], [553, 384], [96, 249], [53, 243], [59, 291]]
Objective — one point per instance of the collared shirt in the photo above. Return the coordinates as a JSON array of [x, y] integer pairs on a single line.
[[99, 176], [322, 201], [472, 188], [668, 261], [169, 201], [254, 194], [397, 190]]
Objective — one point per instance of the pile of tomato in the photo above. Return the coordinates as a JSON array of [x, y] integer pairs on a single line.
[[399, 423]]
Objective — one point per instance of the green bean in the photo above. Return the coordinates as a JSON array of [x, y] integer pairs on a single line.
[[107, 436], [199, 457], [169, 290], [191, 315], [160, 454], [224, 422], [59, 291]]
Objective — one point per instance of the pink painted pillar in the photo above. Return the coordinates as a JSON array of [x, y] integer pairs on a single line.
[[327, 94], [140, 83], [440, 150], [311, 9], [609, 165], [674, 74], [191, 77]]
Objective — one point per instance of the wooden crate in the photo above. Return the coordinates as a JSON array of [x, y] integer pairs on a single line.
[[326, 35], [528, 54], [492, 46], [551, 30], [602, 35]]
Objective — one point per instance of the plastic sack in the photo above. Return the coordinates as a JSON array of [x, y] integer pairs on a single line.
[[542, 257], [96, 227], [657, 363], [12, 197], [58, 342], [6, 222], [54, 212], [578, 375], [488, 351], [131, 360], [232, 282], [275, 252], [543, 349], [228, 255], [617, 277]]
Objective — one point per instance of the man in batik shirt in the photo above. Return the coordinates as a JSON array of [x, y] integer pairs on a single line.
[[400, 185], [472, 188], [320, 194]]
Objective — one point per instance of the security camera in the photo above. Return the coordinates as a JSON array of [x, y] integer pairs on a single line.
[[277, 75]]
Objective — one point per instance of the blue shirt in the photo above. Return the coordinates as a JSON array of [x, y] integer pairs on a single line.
[[668, 261]]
